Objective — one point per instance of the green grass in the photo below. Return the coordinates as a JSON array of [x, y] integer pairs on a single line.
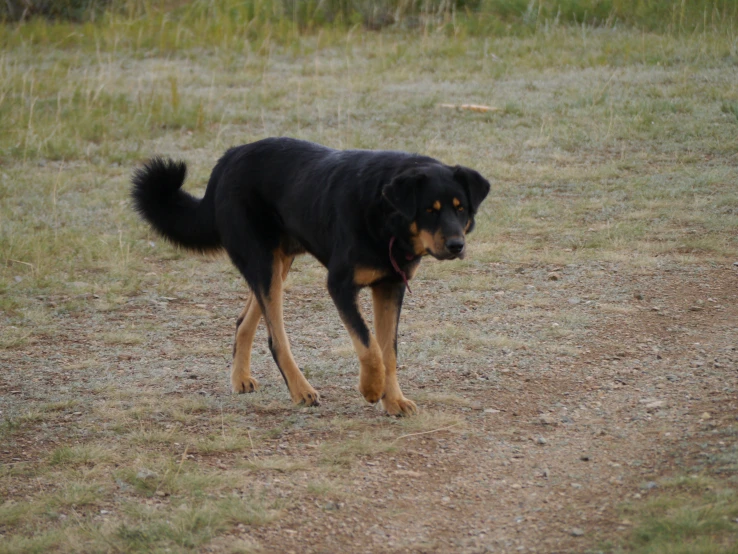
[[692, 515]]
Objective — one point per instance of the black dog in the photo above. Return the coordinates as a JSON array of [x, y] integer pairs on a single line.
[[367, 216]]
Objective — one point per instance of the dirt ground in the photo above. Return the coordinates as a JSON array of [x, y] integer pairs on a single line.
[[551, 396]]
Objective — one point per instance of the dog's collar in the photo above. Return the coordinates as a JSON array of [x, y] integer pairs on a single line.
[[397, 267]]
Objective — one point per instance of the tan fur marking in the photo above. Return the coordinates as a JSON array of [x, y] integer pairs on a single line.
[[371, 372], [468, 224], [414, 228], [429, 242], [364, 276], [456, 202], [241, 380], [437, 205], [385, 325], [300, 390]]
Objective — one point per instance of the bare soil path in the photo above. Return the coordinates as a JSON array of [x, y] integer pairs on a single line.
[[607, 380]]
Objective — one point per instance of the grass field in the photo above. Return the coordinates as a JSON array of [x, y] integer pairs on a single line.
[[599, 282]]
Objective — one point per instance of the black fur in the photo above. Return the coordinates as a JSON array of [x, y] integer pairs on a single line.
[[344, 207]]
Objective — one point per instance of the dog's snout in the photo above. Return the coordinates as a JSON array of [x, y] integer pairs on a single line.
[[455, 245]]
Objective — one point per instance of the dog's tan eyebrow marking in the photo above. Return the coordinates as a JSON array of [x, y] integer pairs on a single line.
[[437, 205], [456, 202]]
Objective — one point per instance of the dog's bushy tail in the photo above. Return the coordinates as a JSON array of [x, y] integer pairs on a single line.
[[175, 214]]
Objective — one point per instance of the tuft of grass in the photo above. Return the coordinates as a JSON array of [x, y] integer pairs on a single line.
[[281, 464], [81, 455], [731, 109], [690, 515], [345, 452]]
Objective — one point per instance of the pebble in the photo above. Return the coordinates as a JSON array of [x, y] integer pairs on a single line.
[[491, 411], [574, 300], [705, 415], [553, 276], [146, 474], [577, 532], [541, 440], [547, 419]]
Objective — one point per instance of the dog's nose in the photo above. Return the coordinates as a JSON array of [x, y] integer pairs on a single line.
[[455, 245]]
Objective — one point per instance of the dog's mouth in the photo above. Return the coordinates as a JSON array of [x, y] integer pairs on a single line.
[[445, 256]]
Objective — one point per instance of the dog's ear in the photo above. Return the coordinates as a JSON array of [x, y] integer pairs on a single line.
[[401, 193], [476, 186]]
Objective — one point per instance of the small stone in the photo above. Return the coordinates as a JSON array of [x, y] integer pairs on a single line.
[[650, 485], [577, 532], [161, 493], [553, 276], [146, 474], [491, 411], [516, 486], [574, 300], [655, 405], [445, 499], [18, 278], [548, 419], [541, 440], [705, 415], [648, 400]]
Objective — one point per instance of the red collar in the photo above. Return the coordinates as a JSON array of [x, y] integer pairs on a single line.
[[397, 267]]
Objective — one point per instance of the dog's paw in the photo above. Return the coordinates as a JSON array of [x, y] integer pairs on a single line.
[[372, 391], [240, 385], [306, 397], [399, 406]]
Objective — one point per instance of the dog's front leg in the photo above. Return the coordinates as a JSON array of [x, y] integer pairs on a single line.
[[372, 374], [387, 299]]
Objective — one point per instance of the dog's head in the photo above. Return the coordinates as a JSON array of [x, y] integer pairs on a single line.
[[436, 204]]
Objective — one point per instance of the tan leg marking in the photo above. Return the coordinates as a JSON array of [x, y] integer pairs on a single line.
[[300, 390], [385, 324], [371, 372], [241, 379]]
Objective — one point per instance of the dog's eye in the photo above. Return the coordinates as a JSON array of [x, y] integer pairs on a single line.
[[429, 210]]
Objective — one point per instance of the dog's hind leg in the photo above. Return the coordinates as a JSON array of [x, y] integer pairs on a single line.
[[387, 300], [372, 373], [248, 321], [271, 301], [246, 325]]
